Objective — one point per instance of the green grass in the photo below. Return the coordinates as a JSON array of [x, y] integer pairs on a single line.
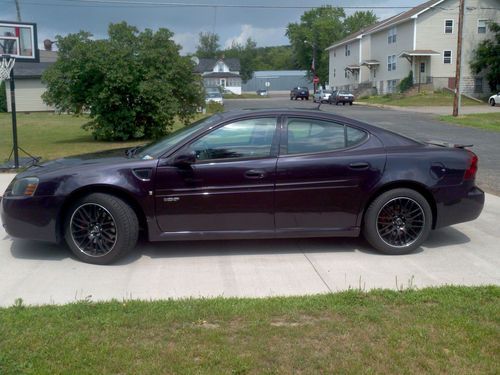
[[486, 121], [450, 330], [244, 96], [438, 98], [53, 136]]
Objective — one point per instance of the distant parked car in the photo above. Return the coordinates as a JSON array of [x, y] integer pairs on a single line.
[[341, 97], [215, 97], [494, 99], [262, 92], [322, 95], [299, 93]]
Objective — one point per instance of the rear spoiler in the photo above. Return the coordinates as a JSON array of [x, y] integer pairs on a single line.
[[448, 144]]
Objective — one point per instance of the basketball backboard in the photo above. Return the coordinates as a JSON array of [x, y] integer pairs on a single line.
[[19, 40]]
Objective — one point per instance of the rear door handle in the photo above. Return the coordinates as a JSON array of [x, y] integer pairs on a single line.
[[359, 165], [255, 174]]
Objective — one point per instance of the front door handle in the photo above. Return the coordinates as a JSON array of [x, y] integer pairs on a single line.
[[359, 165], [255, 174]]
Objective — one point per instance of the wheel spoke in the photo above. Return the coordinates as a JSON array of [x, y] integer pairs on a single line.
[[93, 230], [400, 222]]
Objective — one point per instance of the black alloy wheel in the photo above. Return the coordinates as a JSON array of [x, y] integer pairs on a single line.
[[397, 221]]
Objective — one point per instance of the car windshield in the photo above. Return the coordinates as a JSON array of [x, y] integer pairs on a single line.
[[327, 91], [343, 93], [158, 148], [214, 95]]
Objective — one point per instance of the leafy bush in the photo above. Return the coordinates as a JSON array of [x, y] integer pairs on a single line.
[[213, 107], [406, 83], [133, 84], [3, 98]]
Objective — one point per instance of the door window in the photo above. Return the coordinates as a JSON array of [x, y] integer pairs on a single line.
[[311, 136], [243, 139]]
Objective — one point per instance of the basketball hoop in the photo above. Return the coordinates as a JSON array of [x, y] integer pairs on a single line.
[[6, 65]]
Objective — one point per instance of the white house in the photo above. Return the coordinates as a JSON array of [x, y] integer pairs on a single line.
[[222, 72], [423, 40]]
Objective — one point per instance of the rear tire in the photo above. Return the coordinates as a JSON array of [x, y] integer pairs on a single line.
[[101, 228], [492, 102], [397, 221]]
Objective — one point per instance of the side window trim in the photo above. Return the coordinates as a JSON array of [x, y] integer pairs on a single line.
[[274, 143], [284, 137]]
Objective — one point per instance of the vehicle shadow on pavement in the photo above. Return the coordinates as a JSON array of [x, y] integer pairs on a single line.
[[33, 250], [447, 236]]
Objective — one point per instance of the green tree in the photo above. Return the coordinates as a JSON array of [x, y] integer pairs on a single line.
[[133, 84], [208, 45], [318, 29], [359, 20], [247, 54], [275, 58], [486, 57]]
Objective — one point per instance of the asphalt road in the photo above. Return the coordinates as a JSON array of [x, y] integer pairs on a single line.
[[418, 125], [465, 254]]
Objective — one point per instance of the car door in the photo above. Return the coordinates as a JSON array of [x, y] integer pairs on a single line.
[[229, 187], [324, 172]]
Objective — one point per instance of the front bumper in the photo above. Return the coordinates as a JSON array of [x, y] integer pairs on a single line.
[[32, 218]]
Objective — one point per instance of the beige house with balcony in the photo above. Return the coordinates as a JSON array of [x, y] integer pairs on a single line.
[[423, 40]]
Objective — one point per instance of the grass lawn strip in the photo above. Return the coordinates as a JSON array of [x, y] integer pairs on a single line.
[[52, 136], [439, 98], [453, 330], [486, 121]]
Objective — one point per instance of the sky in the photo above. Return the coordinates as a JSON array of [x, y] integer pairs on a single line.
[[266, 26]]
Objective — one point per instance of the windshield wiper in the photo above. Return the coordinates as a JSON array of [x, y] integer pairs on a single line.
[[132, 151]]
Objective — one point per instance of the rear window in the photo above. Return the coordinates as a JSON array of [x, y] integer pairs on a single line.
[[312, 136]]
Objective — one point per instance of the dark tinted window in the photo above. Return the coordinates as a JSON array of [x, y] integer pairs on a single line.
[[242, 139], [310, 136]]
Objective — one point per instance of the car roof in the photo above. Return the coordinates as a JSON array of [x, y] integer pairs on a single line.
[[313, 113]]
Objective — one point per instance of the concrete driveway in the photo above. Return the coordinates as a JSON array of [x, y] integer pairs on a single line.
[[39, 273]]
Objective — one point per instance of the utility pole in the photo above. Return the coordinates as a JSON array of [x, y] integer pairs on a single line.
[[18, 10], [459, 58]]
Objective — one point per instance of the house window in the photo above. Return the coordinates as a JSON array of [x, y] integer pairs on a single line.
[[446, 57], [391, 85], [334, 72], [391, 63], [448, 26], [220, 66], [334, 53], [478, 85], [346, 74], [348, 50], [481, 27], [391, 35]]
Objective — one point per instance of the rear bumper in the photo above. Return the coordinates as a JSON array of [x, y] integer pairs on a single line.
[[460, 210]]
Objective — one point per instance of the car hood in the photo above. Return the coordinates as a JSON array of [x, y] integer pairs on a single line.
[[91, 160]]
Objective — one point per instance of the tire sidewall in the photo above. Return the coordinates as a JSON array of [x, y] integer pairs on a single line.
[[370, 231], [126, 224]]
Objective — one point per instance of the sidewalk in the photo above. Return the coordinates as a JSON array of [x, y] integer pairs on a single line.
[[437, 110]]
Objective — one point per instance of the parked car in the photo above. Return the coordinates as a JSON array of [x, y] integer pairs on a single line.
[[215, 97], [262, 92], [249, 174], [322, 96], [299, 93], [342, 97], [494, 99]]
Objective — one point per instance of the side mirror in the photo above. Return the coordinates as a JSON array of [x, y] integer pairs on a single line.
[[185, 160]]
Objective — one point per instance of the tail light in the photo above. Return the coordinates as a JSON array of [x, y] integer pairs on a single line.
[[470, 172]]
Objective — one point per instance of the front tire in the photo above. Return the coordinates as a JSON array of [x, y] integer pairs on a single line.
[[101, 228], [492, 102], [397, 221]]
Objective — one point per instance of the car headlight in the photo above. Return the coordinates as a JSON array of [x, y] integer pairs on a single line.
[[25, 187]]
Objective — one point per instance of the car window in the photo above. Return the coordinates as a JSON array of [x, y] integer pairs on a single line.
[[310, 136], [242, 139]]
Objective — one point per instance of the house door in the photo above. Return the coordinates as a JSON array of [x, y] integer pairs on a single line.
[[422, 72], [223, 83]]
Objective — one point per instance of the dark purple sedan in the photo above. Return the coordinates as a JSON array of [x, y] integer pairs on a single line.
[[249, 174]]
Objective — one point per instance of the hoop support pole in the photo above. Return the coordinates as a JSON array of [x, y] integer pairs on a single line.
[[14, 118]]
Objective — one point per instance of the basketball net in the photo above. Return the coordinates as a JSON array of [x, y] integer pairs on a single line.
[[6, 65]]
